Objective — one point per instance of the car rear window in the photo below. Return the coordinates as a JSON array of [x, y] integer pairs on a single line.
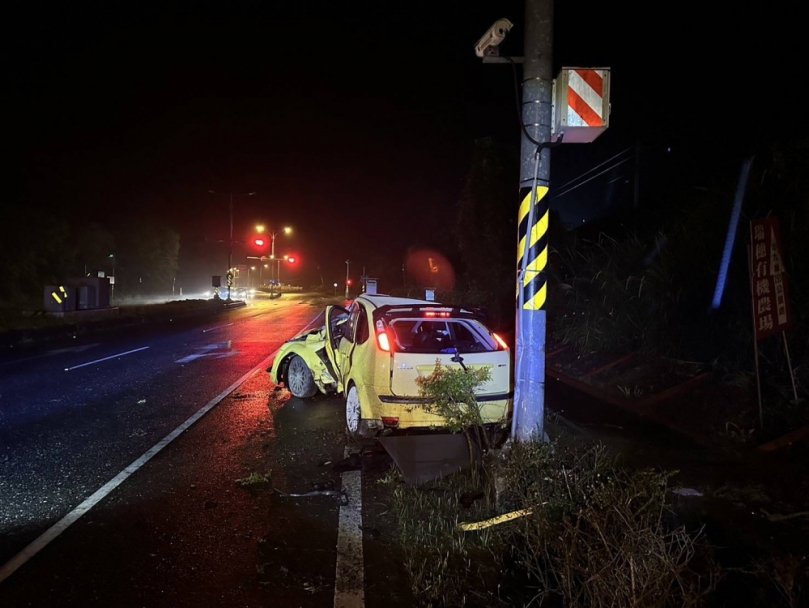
[[441, 336]]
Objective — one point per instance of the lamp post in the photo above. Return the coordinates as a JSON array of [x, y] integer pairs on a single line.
[[335, 289], [253, 268], [112, 283], [230, 240], [348, 265]]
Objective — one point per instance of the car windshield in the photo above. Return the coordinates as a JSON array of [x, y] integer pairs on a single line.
[[444, 336]]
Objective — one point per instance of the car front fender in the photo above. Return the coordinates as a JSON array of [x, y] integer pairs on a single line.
[[320, 374]]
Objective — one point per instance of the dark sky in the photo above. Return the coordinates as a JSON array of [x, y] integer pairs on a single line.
[[353, 121]]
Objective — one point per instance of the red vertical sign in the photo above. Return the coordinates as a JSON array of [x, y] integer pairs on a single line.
[[771, 309]]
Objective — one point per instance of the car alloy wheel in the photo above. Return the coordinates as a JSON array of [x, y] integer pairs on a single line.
[[353, 411], [299, 378], [356, 427]]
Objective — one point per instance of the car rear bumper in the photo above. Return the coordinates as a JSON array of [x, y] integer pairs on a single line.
[[410, 412]]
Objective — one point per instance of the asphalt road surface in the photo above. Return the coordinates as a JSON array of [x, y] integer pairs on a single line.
[[120, 456]]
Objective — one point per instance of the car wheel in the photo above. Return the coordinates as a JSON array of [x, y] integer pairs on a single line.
[[356, 427], [299, 378]]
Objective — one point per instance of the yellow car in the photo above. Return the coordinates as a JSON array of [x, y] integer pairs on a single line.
[[373, 352]]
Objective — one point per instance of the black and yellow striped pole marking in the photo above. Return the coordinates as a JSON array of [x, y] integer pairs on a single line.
[[533, 246]]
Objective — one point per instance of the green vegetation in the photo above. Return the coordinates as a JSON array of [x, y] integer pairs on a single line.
[[255, 479], [595, 535]]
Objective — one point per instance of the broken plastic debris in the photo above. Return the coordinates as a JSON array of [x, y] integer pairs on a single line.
[[500, 519], [141, 401], [341, 495], [687, 492]]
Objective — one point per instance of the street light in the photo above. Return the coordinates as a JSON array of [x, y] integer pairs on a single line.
[[335, 289], [230, 240], [348, 265], [112, 280], [260, 228], [248, 276], [286, 230], [273, 234]]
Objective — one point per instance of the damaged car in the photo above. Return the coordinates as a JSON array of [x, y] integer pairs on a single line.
[[372, 353]]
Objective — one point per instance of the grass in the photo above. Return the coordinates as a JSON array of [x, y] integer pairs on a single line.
[[597, 535]]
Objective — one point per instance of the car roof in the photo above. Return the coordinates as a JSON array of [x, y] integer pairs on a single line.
[[380, 299]]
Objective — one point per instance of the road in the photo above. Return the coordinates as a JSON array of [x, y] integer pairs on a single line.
[[98, 509]]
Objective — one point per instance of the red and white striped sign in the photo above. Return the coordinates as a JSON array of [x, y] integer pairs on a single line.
[[585, 98]]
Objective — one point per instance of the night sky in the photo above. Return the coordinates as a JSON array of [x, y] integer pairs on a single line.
[[354, 122]]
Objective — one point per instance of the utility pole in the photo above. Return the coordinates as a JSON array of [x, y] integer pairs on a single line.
[[537, 97], [230, 238], [348, 265], [230, 242]]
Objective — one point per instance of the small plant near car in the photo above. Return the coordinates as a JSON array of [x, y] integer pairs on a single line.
[[451, 394], [255, 479]]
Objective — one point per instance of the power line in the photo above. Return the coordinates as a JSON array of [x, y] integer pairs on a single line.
[[596, 167], [592, 178]]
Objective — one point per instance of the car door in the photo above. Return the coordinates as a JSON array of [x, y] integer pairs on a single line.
[[345, 349], [336, 324]]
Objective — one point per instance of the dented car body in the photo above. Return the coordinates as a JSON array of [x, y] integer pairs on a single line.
[[373, 352]]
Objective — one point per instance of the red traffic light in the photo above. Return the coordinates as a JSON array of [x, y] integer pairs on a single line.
[[349, 282], [259, 242], [291, 260]]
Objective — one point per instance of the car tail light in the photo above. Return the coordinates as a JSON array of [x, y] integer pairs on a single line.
[[433, 313], [383, 341], [500, 341], [390, 421]]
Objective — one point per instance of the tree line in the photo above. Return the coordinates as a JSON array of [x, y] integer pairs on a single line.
[[39, 248]]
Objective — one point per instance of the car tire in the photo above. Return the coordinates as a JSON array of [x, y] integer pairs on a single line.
[[356, 427], [299, 378]]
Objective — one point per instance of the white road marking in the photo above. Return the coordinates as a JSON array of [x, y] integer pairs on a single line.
[[209, 351], [205, 331], [63, 524], [51, 353], [129, 352], [349, 580], [72, 349]]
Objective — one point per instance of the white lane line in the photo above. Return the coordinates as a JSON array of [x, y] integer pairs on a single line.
[[129, 352], [63, 524], [205, 331], [349, 580]]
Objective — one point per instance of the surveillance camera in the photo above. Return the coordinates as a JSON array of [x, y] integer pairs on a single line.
[[493, 36]]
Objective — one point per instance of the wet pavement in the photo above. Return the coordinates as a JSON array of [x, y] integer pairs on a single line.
[[183, 529]]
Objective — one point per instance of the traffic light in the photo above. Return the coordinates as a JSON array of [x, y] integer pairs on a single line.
[[350, 282], [291, 260], [259, 242]]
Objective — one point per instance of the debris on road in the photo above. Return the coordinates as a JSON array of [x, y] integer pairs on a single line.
[[335, 493], [423, 458]]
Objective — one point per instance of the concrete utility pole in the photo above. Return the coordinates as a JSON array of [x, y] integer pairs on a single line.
[[537, 97], [230, 238], [348, 265], [230, 242]]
